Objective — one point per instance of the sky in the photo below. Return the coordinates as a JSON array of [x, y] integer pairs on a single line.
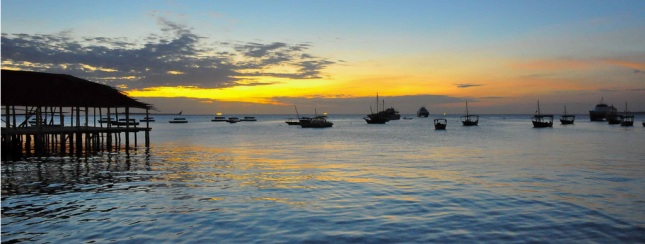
[[262, 57]]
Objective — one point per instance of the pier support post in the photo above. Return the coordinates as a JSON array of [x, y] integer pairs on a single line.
[[127, 128]]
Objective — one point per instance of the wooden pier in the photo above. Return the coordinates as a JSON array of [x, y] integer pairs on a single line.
[[35, 107]]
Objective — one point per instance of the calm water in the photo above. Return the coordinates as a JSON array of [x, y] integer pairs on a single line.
[[204, 182]]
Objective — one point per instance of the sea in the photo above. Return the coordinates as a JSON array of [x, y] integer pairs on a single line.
[[502, 181]]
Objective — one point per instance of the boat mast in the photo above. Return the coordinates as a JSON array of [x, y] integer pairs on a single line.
[[565, 109], [377, 102], [297, 111], [383, 105], [466, 108], [538, 107]]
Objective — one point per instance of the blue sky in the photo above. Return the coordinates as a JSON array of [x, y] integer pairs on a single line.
[[595, 44]]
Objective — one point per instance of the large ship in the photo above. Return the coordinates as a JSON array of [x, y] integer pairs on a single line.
[[423, 112], [602, 111]]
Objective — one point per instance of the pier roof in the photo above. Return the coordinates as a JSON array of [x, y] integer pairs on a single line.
[[26, 88]]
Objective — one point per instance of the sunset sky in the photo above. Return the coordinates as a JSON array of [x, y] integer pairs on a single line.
[[241, 57]]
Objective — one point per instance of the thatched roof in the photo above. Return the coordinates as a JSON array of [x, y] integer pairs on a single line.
[[25, 88]]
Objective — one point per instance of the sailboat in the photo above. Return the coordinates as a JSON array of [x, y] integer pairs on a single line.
[[542, 120], [379, 117], [469, 119], [567, 119], [628, 120]]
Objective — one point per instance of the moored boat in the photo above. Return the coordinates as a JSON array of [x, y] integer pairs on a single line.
[[178, 121], [567, 119], [249, 119], [542, 120], [233, 120], [292, 121], [469, 119], [627, 120], [147, 119], [106, 120], [219, 119], [125, 122], [423, 112], [440, 124], [317, 122], [602, 111], [380, 117]]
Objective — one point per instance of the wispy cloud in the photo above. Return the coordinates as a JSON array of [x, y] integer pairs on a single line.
[[467, 85], [192, 60]]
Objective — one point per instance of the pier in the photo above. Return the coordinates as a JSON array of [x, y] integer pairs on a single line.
[[36, 107]]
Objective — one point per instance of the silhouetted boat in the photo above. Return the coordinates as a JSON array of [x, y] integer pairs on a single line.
[[106, 120], [468, 119], [233, 120], [542, 120], [628, 120], [380, 117], [317, 122], [219, 119], [125, 122], [440, 124], [293, 121], [178, 121], [249, 119], [602, 111], [407, 118], [567, 119], [423, 112], [147, 119]]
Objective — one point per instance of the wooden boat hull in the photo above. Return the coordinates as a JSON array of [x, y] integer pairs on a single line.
[[470, 123], [542, 124], [440, 126], [317, 125], [292, 123], [177, 122], [627, 123], [613, 121], [566, 122]]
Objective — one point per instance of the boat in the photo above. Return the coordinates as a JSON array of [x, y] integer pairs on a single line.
[[178, 121], [125, 122], [233, 120], [469, 119], [567, 119], [423, 112], [628, 120], [602, 111], [293, 121], [297, 121], [249, 119], [106, 120], [379, 117], [440, 124], [407, 118], [147, 119], [219, 119], [317, 122], [542, 120], [392, 113]]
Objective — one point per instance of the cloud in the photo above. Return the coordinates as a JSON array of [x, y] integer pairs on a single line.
[[466, 85], [146, 62]]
